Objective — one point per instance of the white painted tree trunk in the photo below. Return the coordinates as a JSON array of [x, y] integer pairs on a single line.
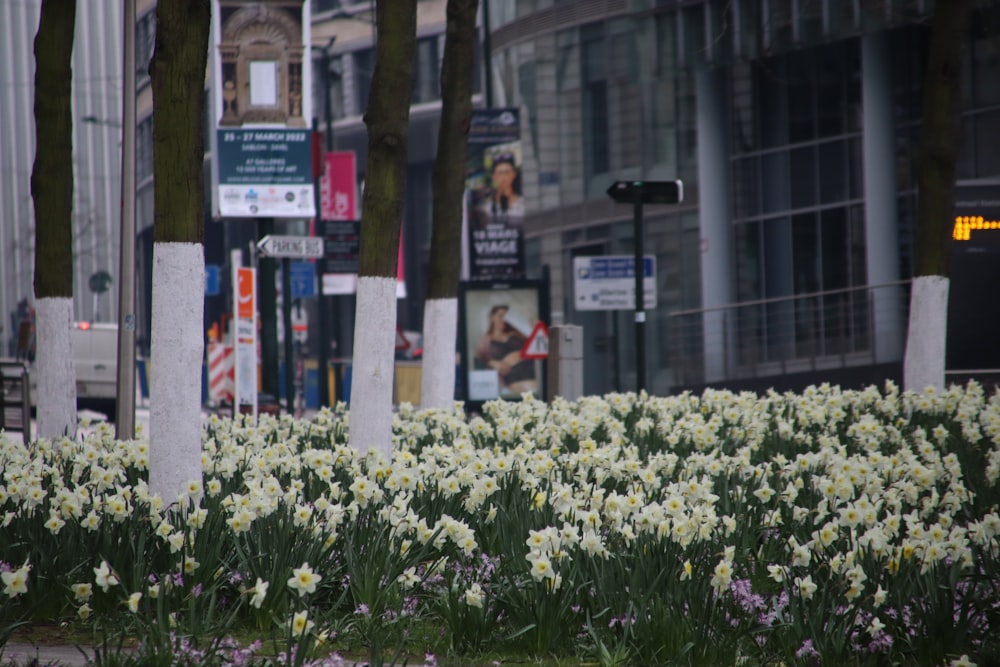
[[437, 376], [55, 374], [177, 349], [373, 365], [923, 363]]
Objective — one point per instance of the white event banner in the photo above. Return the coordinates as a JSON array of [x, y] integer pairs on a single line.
[[260, 80]]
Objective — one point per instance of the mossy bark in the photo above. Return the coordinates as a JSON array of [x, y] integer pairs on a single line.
[[178, 78], [52, 172], [940, 137], [449, 164], [387, 119]]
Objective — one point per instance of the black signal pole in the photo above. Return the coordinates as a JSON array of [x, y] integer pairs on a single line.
[[640, 292], [638, 193]]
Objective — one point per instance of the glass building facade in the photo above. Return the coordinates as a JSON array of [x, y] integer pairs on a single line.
[[794, 125]]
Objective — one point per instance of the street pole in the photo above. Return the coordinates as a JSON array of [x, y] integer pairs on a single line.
[[334, 310], [487, 64], [267, 305], [324, 332], [640, 295], [638, 193], [286, 321], [125, 389]]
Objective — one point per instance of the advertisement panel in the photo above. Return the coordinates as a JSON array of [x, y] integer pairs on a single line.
[[340, 226], [259, 82], [494, 196], [496, 320]]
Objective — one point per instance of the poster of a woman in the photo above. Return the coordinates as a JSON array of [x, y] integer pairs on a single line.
[[495, 202], [498, 319], [499, 348]]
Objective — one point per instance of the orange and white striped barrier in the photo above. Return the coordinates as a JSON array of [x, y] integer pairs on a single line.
[[221, 373]]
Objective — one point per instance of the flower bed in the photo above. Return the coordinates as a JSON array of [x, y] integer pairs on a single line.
[[829, 527]]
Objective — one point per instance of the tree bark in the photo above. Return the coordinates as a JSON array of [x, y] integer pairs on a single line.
[[437, 385], [924, 360], [52, 193], [940, 137], [177, 345], [387, 119], [178, 78]]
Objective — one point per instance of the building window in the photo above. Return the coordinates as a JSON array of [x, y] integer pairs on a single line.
[[144, 150], [595, 101], [364, 67], [145, 40], [426, 87], [319, 6]]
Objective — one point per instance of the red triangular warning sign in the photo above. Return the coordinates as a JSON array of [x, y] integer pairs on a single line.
[[537, 345]]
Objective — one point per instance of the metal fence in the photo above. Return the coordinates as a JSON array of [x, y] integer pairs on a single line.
[[801, 333]]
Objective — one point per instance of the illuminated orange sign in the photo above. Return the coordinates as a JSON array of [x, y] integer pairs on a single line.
[[966, 224]]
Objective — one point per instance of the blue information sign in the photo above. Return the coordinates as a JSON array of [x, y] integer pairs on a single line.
[[211, 279], [303, 279]]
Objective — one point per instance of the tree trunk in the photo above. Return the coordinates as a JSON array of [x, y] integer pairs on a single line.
[[177, 345], [923, 363], [52, 193], [387, 118], [437, 384]]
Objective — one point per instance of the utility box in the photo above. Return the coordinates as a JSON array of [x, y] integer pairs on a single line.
[[15, 399], [565, 363]]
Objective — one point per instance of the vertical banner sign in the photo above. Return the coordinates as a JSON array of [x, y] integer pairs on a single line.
[[341, 227], [337, 189], [261, 140], [494, 195], [245, 400]]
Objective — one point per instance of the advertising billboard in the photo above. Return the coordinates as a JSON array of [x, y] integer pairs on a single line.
[[494, 195]]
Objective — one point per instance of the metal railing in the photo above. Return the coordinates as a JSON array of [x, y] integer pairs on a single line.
[[805, 332]]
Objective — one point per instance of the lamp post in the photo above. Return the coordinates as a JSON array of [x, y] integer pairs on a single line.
[[487, 56]]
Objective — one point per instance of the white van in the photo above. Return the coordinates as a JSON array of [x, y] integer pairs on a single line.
[[95, 361], [95, 358]]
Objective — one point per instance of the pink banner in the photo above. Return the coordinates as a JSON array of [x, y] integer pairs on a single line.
[[337, 190]]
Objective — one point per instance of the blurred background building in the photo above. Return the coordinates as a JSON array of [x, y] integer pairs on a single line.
[[794, 125]]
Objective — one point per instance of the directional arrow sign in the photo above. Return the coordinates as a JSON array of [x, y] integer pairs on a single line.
[[651, 192], [291, 247]]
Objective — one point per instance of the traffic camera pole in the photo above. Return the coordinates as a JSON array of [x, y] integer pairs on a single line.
[[640, 270]]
